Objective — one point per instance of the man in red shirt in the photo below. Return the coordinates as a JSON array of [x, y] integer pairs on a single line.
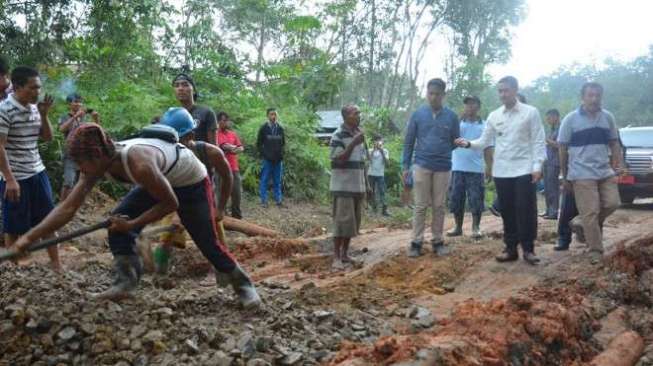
[[230, 143]]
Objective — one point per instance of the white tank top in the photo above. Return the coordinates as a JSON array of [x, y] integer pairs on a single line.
[[180, 166]]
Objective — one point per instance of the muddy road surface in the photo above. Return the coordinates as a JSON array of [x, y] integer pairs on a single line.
[[387, 309]]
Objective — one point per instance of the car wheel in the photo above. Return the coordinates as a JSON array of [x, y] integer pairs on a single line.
[[627, 199]]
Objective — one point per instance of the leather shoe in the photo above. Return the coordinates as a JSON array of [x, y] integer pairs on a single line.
[[561, 247], [507, 256], [531, 259]]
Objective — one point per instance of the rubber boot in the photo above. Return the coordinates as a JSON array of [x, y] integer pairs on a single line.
[[415, 249], [458, 229], [242, 285], [476, 227], [162, 259], [128, 270], [385, 212]]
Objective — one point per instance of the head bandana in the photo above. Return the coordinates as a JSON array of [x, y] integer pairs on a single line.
[[89, 141]]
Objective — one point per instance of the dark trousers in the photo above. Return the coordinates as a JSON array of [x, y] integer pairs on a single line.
[[197, 213], [552, 188], [275, 170], [378, 187], [236, 192], [518, 201], [568, 211], [470, 187]]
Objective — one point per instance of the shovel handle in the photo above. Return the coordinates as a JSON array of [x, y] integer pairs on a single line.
[[9, 254]]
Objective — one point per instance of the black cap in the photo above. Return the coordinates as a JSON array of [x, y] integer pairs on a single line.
[[186, 77], [471, 98], [73, 97]]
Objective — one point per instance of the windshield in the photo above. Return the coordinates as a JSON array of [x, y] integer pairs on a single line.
[[637, 138]]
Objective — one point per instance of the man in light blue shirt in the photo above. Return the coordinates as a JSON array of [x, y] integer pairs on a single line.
[[467, 181]]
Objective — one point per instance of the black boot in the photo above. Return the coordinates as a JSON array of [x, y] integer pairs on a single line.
[[128, 273], [385, 212], [476, 227], [242, 285], [458, 229]]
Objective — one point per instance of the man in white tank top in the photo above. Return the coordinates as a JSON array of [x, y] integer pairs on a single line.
[[163, 184]]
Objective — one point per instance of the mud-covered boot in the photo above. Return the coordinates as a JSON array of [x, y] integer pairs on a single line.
[[128, 270], [476, 227], [242, 285], [458, 229]]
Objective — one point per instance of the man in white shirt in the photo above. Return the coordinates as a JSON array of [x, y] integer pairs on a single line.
[[519, 151]]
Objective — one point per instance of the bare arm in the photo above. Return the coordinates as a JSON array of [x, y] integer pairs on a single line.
[[62, 213], [221, 166], [564, 160], [44, 107], [617, 159], [12, 190], [146, 173]]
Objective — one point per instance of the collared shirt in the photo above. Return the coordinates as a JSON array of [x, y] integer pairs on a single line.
[[469, 160], [518, 137], [229, 137], [587, 140], [377, 162], [347, 176], [22, 126], [431, 137], [552, 155]]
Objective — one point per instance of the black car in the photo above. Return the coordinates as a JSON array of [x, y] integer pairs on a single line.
[[638, 147]]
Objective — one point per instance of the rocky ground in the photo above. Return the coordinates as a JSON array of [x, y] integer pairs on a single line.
[[463, 309]]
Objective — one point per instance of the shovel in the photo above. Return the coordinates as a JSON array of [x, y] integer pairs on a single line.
[[12, 253]]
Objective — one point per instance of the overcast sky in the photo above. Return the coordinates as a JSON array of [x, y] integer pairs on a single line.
[[561, 32]]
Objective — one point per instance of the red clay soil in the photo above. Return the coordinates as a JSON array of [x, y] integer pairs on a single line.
[[518, 329], [633, 259]]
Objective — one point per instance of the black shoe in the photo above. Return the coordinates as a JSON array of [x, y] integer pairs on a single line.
[[507, 256], [543, 214], [415, 249], [561, 247], [264, 204], [531, 259], [439, 248], [281, 205], [494, 211], [549, 217]]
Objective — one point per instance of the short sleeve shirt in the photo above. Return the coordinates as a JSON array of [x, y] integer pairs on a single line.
[[377, 163], [469, 160], [22, 126], [205, 122], [347, 176], [587, 142], [229, 137]]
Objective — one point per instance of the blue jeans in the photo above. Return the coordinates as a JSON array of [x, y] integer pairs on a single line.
[[274, 168], [378, 187], [467, 186], [197, 213]]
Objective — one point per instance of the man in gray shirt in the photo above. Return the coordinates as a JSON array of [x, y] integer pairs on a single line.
[[590, 156]]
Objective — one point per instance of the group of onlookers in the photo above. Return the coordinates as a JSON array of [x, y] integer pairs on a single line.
[[445, 156]]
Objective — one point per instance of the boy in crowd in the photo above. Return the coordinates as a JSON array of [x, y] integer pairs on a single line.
[[76, 115], [379, 158]]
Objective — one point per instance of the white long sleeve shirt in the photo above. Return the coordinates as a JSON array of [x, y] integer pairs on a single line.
[[518, 138]]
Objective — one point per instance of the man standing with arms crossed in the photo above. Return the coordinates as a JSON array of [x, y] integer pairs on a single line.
[[590, 157], [519, 151], [431, 133], [25, 188]]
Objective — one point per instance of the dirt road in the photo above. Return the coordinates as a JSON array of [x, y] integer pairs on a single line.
[[463, 309]]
